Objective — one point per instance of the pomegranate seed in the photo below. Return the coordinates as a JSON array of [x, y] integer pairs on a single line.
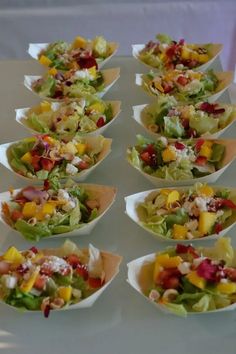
[[46, 311], [218, 228], [179, 146], [46, 185], [100, 122], [34, 250], [22, 269], [191, 133], [185, 123], [198, 144]]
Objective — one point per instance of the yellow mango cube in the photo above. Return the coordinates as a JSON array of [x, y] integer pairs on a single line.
[[205, 151], [39, 215], [168, 262], [29, 210], [45, 106], [158, 86], [172, 197], [48, 209], [206, 191], [168, 155], [12, 255], [185, 53], [206, 222], [165, 191], [65, 292], [27, 158], [97, 107], [226, 288], [79, 42], [81, 148], [179, 232], [52, 71], [194, 279], [203, 58], [156, 271], [27, 285], [45, 60]]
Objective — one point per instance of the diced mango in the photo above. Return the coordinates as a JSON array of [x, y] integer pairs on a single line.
[[203, 58], [205, 151], [165, 191], [29, 210], [97, 107], [196, 75], [158, 86], [27, 285], [226, 288], [156, 271], [81, 148], [65, 292], [93, 71], [27, 158], [206, 190], [194, 279], [172, 197], [185, 53], [49, 140], [45, 60], [48, 209], [39, 215], [168, 262], [13, 255], [179, 232], [206, 222], [168, 155], [52, 71], [45, 106], [194, 55], [79, 42]]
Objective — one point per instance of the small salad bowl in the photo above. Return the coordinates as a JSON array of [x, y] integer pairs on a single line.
[[72, 210], [183, 121], [35, 50], [221, 81], [86, 273], [98, 146], [214, 51], [186, 214], [110, 76], [166, 280], [43, 118], [142, 157]]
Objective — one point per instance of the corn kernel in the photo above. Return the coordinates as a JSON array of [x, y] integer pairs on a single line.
[[52, 71], [194, 279], [65, 292], [81, 148]]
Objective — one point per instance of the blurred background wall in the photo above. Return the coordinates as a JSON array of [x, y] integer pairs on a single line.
[[127, 22]]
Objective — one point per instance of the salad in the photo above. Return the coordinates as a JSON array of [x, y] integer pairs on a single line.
[[53, 209], [167, 54], [45, 280], [44, 157], [180, 160], [71, 84], [187, 279], [184, 85], [80, 54], [69, 118], [187, 214], [167, 118]]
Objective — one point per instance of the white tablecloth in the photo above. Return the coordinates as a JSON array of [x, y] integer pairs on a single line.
[[127, 23]]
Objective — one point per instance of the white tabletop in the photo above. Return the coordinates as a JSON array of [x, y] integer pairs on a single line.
[[120, 321]]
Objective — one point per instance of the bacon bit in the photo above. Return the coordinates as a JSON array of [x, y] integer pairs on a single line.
[[209, 271]]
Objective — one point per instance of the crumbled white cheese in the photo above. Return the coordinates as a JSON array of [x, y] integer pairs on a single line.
[[184, 267], [198, 261], [76, 160], [9, 281], [63, 195], [83, 74], [71, 169], [55, 264], [192, 225], [69, 206], [201, 203]]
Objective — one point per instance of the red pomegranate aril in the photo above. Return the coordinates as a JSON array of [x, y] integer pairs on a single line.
[[95, 282], [185, 123], [191, 133], [218, 228], [34, 250], [16, 214], [100, 122], [150, 149], [46, 311], [46, 185], [198, 144], [87, 62], [73, 260], [179, 146]]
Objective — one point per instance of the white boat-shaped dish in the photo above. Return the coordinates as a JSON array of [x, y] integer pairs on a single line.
[[132, 210], [35, 49], [110, 77], [105, 195], [230, 154], [214, 53], [140, 115], [22, 115], [79, 177]]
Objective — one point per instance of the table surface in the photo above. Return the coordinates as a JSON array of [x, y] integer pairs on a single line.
[[120, 321]]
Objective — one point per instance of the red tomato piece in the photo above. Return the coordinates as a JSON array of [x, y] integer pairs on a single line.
[[100, 122], [146, 157], [83, 165], [16, 214], [40, 282], [198, 144], [182, 80], [73, 260], [46, 164], [201, 160], [171, 283], [82, 270], [95, 282]]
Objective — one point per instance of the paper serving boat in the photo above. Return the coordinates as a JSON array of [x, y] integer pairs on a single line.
[[140, 278], [140, 115], [111, 263], [133, 211], [79, 177], [215, 50], [225, 80], [110, 77], [22, 116], [230, 154], [35, 49], [105, 195]]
